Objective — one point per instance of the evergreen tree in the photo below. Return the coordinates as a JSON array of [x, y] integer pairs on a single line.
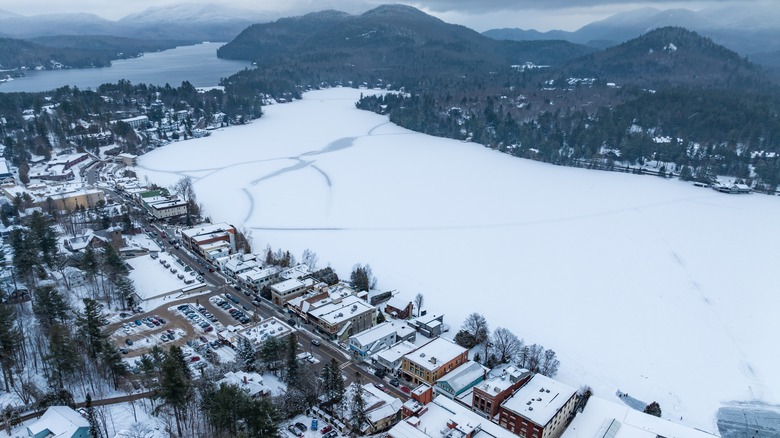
[[89, 325], [357, 407], [63, 360], [94, 427], [10, 343], [49, 307], [113, 365], [246, 355], [292, 366], [175, 388], [653, 409]]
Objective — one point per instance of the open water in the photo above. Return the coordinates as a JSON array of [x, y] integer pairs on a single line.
[[197, 64]]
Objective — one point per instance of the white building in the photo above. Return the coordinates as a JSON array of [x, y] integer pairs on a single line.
[[380, 337], [250, 383]]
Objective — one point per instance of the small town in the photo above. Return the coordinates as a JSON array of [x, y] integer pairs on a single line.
[[333, 356]]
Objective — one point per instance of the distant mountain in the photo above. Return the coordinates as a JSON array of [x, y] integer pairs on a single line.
[[669, 56], [391, 41], [190, 21], [742, 29], [20, 26]]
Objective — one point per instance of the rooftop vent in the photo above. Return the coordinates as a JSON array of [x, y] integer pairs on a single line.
[[530, 408], [541, 390], [422, 354]]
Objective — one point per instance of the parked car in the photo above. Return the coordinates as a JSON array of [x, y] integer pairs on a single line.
[[128, 341], [315, 342], [302, 427], [394, 381], [380, 372], [331, 434], [381, 387], [326, 429], [405, 389]]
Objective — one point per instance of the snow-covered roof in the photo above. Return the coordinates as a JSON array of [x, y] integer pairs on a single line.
[[539, 399], [206, 229], [296, 271], [251, 383], [378, 404], [501, 378], [286, 286], [601, 417], [337, 312], [396, 352], [398, 302], [60, 421], [256, 273], [377, 332], [435, 353], [455, 420], [463, 376]]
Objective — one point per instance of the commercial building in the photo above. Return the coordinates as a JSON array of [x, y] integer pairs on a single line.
[[433, 360], [380, 337], [502, 381], [539, 409], [344, 317], [204, 234]]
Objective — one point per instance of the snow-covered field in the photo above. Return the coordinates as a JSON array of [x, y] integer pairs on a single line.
[[654, 287]]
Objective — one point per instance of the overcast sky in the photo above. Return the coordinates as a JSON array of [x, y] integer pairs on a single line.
[[477, 14]]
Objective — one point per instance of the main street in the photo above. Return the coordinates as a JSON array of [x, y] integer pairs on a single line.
[[219, 285]]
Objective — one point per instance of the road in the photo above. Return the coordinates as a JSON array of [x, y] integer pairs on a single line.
[[219, 285]]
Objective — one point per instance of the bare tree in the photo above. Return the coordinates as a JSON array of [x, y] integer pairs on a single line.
[[418, 303], [506, 345], [309, 258], [550, 363], [476, 325], [185, 188], [534, 357]]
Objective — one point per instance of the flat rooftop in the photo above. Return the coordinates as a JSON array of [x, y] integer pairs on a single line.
[[539, 399], [435, 353]]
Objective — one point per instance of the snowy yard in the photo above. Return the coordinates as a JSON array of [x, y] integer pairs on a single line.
[[654, 287]]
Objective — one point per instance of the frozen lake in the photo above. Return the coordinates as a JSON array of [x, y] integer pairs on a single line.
[[654, 287]]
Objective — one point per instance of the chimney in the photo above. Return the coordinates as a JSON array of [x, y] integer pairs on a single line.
[[245, 381]]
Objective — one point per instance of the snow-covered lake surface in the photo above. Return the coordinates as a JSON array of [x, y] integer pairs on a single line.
[[659, 289]]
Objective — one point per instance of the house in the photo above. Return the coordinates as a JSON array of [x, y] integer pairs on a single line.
[[381, 409], [79, 243], [399, 308], [250, 383], [501, 382], [430, 362], [59, 422], [380, 338], [460, 380], [539, 409], [429, 326]]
